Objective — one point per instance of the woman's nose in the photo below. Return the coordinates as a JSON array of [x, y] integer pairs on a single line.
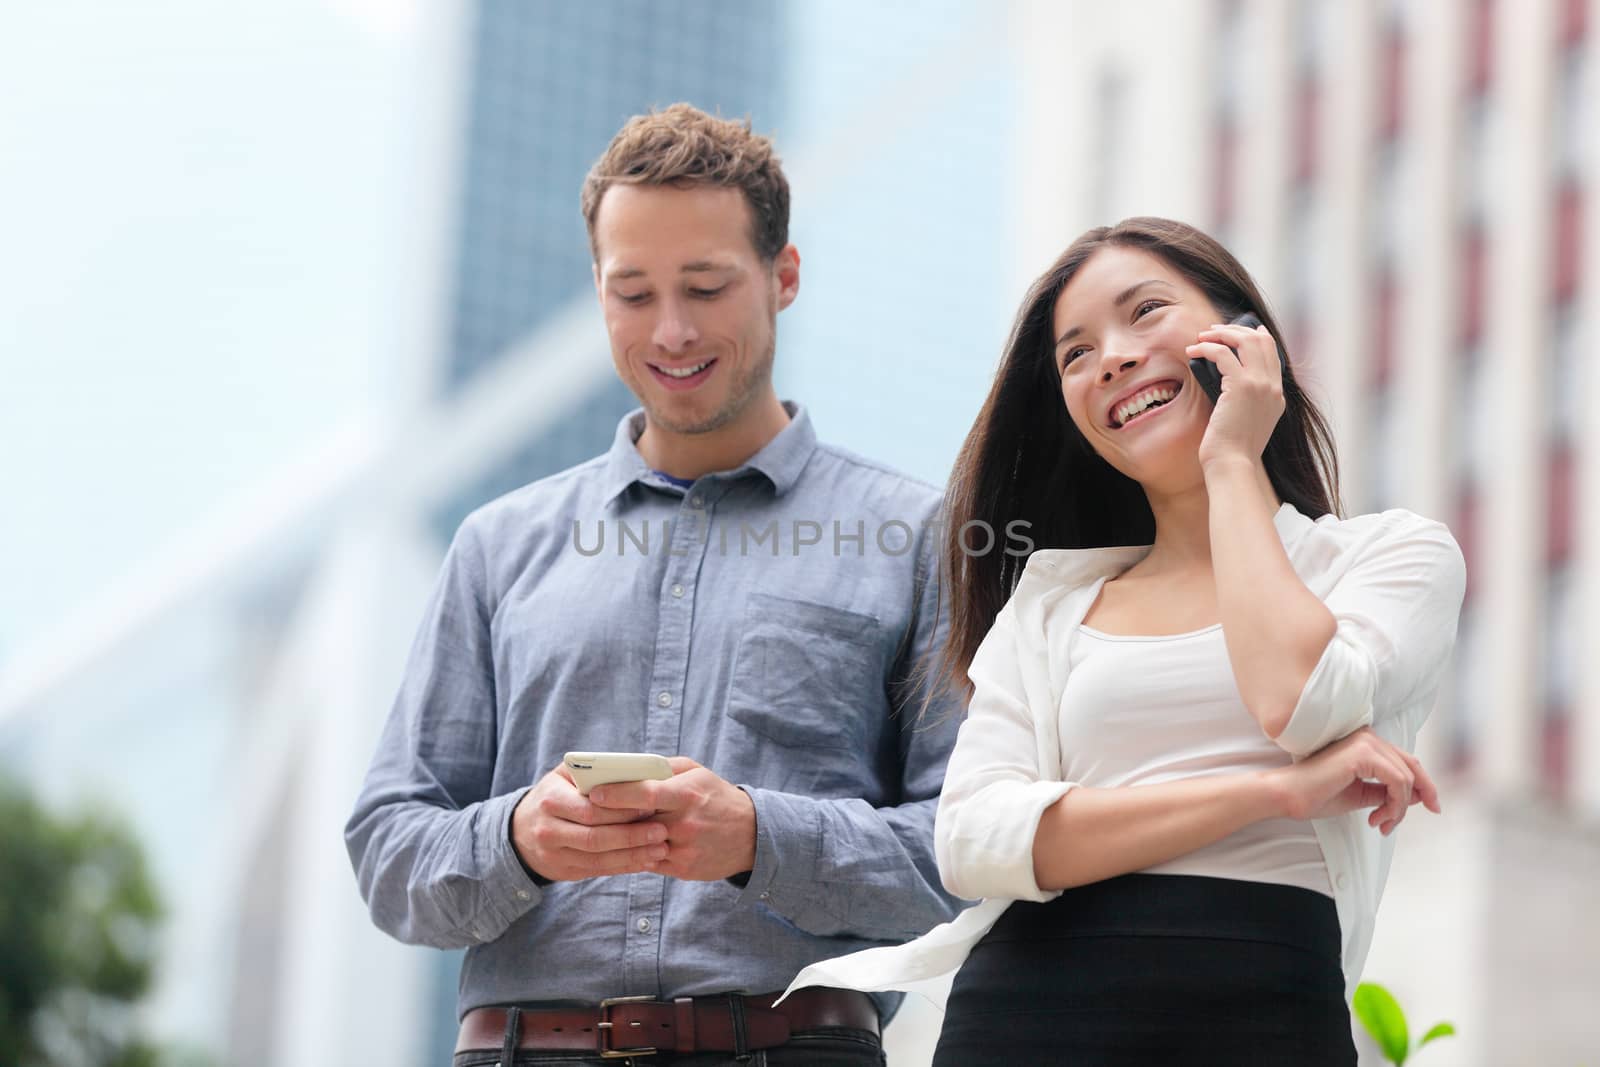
[[1113, 365]]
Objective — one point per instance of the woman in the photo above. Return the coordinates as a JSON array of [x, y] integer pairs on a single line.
[[1186, 760]]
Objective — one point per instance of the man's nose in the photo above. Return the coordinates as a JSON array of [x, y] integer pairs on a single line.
[[674, 330]]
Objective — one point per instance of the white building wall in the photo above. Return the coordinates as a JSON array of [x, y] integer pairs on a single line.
[[1452, 933]]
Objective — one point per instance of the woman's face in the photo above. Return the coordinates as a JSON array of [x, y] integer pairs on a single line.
[[1121, 326]]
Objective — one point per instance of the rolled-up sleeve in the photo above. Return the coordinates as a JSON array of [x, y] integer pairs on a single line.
[[994, 792], [431, 848], [1396, 609]]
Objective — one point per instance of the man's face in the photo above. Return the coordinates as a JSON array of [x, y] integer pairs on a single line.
[[690, 309]]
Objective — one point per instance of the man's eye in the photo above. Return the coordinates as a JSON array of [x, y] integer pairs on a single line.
[[633, 298], [706, 294]]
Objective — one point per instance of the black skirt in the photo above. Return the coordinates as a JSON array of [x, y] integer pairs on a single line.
[[1148, 969]]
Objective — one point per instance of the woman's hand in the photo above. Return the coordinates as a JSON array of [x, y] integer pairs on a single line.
[[1252, 392], [1359, 771]]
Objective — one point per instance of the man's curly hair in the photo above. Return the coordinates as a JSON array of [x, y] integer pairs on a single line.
[[684, 146]]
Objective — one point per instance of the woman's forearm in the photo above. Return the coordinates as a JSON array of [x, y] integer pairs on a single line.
[[1275, 628], [1093, 834]]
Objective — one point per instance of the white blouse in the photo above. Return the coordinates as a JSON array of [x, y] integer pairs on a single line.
[[1394, 583], [1141, 710]]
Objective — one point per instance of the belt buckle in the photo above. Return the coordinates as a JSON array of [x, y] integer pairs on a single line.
[[604, 1027]]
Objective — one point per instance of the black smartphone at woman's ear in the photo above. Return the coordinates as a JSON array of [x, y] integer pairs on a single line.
[[1206, 373]]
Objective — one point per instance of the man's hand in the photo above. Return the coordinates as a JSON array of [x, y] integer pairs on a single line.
[[710, 823], [565, 837]]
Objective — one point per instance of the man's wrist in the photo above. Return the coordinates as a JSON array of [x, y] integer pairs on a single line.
[[751, 836], [511, 839]]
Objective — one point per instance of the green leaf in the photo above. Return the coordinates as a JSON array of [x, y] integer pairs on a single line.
[[1380, 1013], [1439, 1030]]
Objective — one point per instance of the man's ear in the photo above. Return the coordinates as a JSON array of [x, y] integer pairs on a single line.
[[786, 268]]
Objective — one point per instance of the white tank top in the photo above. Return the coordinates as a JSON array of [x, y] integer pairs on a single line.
[[1145, 710]]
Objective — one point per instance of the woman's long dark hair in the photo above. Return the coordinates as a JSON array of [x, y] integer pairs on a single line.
[[1025, 459]]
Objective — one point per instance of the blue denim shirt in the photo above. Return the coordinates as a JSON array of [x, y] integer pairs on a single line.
[[764, 622]]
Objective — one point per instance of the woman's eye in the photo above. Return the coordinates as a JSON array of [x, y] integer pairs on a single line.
[[1072, 354], [1145, 308]]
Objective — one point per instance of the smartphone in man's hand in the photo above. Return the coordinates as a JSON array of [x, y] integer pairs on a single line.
[[590, 769]]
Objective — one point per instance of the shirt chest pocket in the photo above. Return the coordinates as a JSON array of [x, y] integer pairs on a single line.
[[808, 676]]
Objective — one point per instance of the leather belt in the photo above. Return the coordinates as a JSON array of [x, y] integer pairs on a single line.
[[638, 1026]]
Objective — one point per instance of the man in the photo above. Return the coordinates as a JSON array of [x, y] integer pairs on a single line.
[[718, 587]]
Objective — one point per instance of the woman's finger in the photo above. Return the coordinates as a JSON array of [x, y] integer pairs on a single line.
[[1424, 788], [1242, 341], [1218, 355], [1385, 765]]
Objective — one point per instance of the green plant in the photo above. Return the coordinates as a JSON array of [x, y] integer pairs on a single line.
[[78, 924], [1380, 1014]]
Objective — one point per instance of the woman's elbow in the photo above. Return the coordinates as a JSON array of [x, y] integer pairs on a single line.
[[967, 881], [1273, 702], [1274, 717]]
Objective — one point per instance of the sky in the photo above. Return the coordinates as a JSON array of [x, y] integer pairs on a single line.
[[198, 268]]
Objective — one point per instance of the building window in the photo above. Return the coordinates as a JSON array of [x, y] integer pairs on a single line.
[[1301, 260], [1391, 217], [1563, 398], [1473, 420], [1480, 46], [1391, 98], [1385, 322], [1560, 503], [1465, 529], [1473, 165], [1574, 22], [1226, 151], [1560, 644], [1467, 692], [1307, 113], [1474, 285], [1381, 458], [1555, 747], [1567, 240], [1574, 111], [1225, 108]]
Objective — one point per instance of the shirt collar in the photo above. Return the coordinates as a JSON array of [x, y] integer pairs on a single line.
[[781, 459]]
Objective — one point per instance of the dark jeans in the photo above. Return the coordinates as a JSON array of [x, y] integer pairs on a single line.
[[815, 1048]]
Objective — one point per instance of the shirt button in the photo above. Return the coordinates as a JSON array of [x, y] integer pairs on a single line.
[[1342, 882], [677, 590], [697, 501], [664, 699], [523, 894], [764, 896], [643, 926]]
